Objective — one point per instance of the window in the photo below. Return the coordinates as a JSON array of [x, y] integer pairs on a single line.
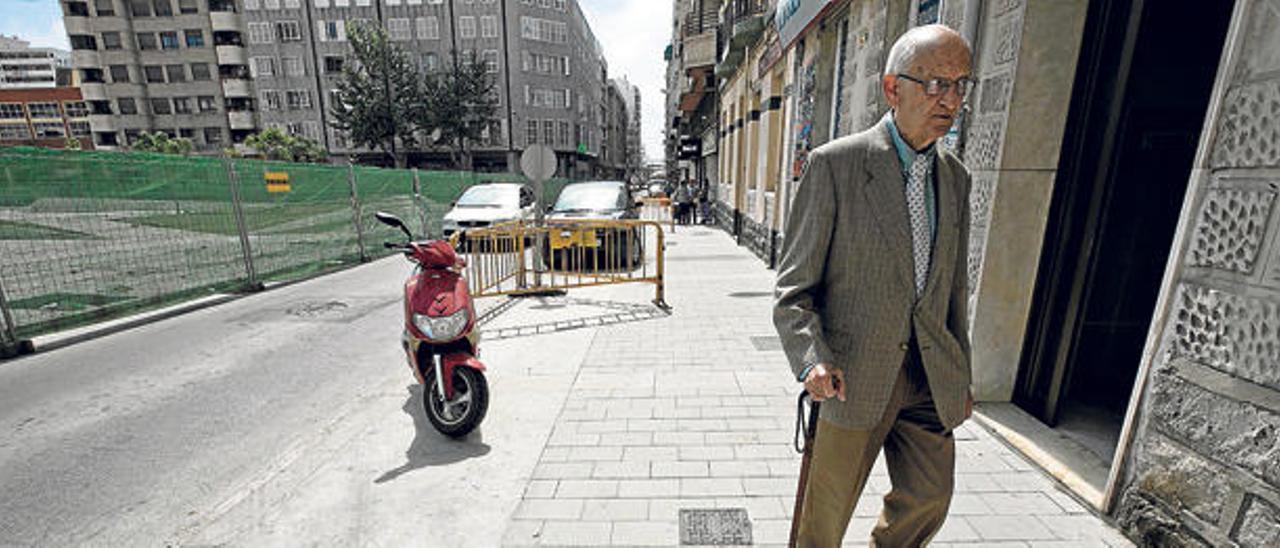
[[262, 66], [292, 4], [332, 64], [131, 136], [207, 103], [146, 40], [398, 28], [564, 133], [392, 2], [14, 132], [250, 5], [321, 3], [195, 38], [260, 33], [531, 133], [154, 73], [293, 66], [120, 74], [111, 40], [163, 8], [364, 3], [82, 42], [544, 30], [466, 27], [298, 99], [549, 132], [169, 40], [182, 105], [311, 130], [176, 73], [341, 3], [140, 8], [271, 4], [80, 129], [200, 72], [12, 111], [288, 31], [213, 135], [270, 99], [332, 31], [430, 62], [491, 60], [489, 26], [428, 28], [188, 6], [49, 130], [126, 105], [105, 8], [161, 106], [186, 133]]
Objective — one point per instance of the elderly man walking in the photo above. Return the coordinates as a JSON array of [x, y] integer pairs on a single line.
[[872, 300]]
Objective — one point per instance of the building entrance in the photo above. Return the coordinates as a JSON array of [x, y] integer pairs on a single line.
[[1142, 88]]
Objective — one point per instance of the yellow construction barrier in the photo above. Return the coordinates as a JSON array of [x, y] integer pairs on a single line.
[[659, 210], [519, 258]]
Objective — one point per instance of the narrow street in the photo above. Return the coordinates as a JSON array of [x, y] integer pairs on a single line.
[[288, 418]]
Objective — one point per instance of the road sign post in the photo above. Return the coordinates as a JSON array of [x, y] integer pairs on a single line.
[[538, 162]]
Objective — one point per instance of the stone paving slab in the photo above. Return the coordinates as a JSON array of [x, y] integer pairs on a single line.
[[688, 412]]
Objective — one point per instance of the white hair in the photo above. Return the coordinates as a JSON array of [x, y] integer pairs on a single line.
[[912, 43]]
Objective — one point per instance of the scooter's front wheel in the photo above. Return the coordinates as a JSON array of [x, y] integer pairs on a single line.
[[459, 416]]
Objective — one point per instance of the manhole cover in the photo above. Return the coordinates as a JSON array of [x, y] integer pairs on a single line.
[[765, 343], [750, 294], [715, 527]]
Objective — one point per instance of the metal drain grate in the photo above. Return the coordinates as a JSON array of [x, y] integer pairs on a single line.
[[767, 343], [715, 527]]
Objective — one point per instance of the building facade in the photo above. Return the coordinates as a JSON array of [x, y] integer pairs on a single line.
[[1124, 240], [24, 67], [220, 70], [634, 158], [44, 117], [691, 90]]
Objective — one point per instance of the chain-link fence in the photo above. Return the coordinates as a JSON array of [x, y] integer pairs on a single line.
[[86, 236]]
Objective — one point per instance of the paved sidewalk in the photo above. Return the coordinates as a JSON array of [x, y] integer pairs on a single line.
[[697, 410]]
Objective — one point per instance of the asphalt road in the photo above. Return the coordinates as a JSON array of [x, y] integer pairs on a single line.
[[215, 427]]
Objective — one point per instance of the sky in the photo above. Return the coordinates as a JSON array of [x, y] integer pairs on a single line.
[[633, 34]]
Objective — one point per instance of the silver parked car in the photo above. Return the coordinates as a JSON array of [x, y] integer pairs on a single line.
[[488, 204]]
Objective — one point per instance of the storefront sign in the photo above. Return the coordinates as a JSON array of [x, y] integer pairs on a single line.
[[794, 16]]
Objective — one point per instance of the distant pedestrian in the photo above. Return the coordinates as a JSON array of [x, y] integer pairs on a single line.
[[684, 202], [872, 300], [704, 204]]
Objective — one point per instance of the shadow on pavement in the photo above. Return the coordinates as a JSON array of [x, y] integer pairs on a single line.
[[617, 312], [429, 447]]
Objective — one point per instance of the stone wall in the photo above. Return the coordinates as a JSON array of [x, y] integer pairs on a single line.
[[1204, 466]]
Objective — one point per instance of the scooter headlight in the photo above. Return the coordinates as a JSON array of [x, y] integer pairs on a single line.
[[444, 328]]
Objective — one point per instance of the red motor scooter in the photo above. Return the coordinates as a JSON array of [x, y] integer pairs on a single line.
[[440, 339]]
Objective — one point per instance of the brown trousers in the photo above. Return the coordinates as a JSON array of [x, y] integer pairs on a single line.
[[919, 452]]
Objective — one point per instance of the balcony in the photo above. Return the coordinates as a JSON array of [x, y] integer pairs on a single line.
[[86, 58], [102, 122], [747, 30], [241, 119], [236, 87], [700, 50], [224, 21], [729, 64], [93, 91], [232, 55]]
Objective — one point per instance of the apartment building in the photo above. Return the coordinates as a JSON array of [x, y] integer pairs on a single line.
[[25, 67], [43, 116], [158, 64]]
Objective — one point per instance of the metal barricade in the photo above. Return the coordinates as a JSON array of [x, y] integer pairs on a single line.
[[518, 258], [658, 210]]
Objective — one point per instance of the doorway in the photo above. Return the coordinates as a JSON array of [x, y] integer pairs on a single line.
[[1142, 89]]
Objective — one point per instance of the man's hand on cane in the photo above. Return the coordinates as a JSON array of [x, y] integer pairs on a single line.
[[824, 382]]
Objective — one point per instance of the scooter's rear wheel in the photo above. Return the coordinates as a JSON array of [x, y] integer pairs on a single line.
[[458, 417]]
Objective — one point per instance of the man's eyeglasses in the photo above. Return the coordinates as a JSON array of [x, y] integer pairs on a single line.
[[934, 87]]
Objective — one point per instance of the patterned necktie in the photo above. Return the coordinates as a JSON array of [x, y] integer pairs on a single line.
[[919, 219]]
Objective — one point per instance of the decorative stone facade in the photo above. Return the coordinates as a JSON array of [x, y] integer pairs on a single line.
[[1204, 468]]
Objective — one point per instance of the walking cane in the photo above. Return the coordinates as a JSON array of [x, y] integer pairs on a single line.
[[810, 431]]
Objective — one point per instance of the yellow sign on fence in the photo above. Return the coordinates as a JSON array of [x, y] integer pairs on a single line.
[[277, 181]]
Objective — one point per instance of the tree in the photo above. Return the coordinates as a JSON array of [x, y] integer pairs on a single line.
[[71, 143], [162, 143], [461, 105], [274, 144], [379, 95]]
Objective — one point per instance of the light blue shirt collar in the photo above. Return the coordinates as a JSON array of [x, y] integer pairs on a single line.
[[906, 154]]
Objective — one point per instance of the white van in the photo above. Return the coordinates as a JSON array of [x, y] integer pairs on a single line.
[[487, 204]]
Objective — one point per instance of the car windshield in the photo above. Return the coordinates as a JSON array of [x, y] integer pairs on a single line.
[[585, 197], [490, 196]]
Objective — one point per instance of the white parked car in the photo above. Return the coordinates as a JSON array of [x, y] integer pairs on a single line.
[[488, 204]]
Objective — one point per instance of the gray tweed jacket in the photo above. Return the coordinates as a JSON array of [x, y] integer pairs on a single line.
[[845, 291]]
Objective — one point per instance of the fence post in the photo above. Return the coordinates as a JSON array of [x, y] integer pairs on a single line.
[[355, 210], [9, 344], [418, 204], [233, 179]]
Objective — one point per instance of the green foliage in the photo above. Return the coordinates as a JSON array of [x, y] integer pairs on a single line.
[[71, 143], [380, 96], [460, 104], [274, 144], [161, 142]]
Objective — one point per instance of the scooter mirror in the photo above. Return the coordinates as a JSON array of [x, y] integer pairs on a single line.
[[392, 220]]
